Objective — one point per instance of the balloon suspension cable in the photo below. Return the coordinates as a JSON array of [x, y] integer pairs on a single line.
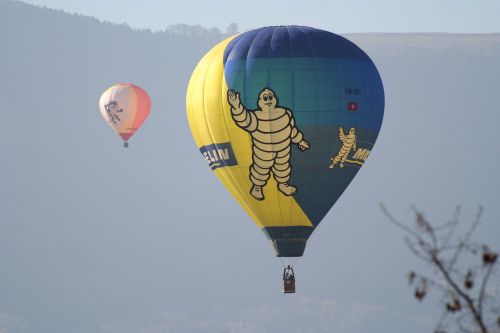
[[289, 262], [282, 262]]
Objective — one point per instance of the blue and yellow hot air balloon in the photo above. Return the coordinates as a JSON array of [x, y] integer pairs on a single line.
[[285, 116]]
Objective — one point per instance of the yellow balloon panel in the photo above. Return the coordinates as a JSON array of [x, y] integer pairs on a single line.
[[228, 148]]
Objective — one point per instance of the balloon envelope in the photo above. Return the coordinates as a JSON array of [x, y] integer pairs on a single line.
[[124, 107], [285, 117]]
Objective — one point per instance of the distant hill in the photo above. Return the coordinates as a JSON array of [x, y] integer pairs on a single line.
[[92, 235]]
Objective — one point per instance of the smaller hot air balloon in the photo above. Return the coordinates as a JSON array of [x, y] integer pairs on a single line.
[[124, 107]]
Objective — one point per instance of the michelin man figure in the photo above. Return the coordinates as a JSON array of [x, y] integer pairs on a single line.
[[348, 143], [273, 130]]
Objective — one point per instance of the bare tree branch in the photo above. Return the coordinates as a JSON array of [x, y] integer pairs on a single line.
[[486, 277], [452, 225], [438, 247], [462, 294], [467, 236]]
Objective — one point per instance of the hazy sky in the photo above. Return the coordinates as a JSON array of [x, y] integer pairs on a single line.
[[96, 238], [335, 15]]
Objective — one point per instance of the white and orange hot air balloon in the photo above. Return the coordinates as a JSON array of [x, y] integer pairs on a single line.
[[124, 107]]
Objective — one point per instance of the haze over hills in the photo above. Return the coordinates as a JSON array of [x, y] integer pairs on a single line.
[[96, 238]]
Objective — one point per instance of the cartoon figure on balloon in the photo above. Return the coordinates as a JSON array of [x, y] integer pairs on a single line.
[[273, 130], [113, 109]]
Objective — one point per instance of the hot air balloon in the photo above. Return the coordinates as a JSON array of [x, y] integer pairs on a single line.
[[285, 116], [124, 107]]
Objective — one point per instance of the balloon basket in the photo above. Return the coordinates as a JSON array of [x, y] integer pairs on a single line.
[[125, 145], [288, 287], [288, 280]]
